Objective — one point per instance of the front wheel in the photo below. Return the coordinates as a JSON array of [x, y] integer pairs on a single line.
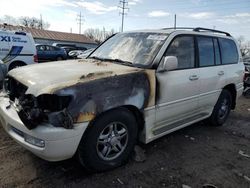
[[221, 109], [108, 141]]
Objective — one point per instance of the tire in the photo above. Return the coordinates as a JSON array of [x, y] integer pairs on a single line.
[[246, 93], [222, 109], [59, 58], [104, 147]]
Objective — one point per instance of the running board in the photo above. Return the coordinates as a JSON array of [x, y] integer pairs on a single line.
[[178, 123]]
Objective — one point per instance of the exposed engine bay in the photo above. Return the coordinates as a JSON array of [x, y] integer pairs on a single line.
[[36, 110]]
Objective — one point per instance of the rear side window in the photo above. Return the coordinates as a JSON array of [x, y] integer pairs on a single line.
[[182, 47], [206, 51], [229, 51]]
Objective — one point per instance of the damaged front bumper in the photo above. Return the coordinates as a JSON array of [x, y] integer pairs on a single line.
[[46, 141]]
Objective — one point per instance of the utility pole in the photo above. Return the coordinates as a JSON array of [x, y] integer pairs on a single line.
[[175, 21], [104, 33], [123, 6], [80, 20], [41, 20]]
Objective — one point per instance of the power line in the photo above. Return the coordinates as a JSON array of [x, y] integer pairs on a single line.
[[124, 7], [80, 20]]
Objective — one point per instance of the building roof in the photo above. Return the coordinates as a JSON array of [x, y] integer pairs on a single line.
[[51, 35]]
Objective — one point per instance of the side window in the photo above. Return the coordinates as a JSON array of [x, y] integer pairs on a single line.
[[229, 51], [206, 51], [40, 48], [217, 52], [183, 48], [49, 48]]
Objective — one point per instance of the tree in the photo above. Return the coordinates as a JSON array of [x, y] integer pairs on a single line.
[[98, 35], [33, 23], [9, 20], [25, 21], [244, 47]]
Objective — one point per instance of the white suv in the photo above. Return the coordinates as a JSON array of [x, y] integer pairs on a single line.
[[17, 48], [138, 85]]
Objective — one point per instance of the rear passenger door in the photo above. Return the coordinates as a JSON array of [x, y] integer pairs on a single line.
[[41, 53], [50, 53], [212, 73]]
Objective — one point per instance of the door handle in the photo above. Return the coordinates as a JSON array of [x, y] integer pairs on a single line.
[[193, 77], [220, 73]]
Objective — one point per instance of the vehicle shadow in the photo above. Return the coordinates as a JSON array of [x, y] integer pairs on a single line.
[[70, 172]]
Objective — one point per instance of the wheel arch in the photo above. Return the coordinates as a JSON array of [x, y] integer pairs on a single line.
[[16, 63], [137, 114], [139, 117], [232, 89]]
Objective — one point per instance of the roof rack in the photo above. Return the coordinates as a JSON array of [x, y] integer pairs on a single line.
[[178, 28], [199, 29]]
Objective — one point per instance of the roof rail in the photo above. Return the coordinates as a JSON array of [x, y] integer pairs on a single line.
[[199, 29], [178, 28]]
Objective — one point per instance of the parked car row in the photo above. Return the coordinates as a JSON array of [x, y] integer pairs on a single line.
[[56, 53], [19, 49]]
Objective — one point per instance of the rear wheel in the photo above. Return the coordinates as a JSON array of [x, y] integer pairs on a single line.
[[246, 93], [109, 141], [59, 58], [221, 109]]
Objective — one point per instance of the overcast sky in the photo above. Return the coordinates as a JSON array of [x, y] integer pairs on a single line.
[[229, 15]]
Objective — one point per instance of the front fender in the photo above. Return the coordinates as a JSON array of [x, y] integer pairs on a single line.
[[94, 97]]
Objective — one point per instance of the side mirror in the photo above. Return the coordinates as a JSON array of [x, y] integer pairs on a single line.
[[169, 63]]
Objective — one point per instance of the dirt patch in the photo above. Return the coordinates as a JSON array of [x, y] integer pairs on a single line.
[[194, 156]]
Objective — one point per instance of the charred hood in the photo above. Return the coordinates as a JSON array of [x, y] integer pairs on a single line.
[[46, 78]]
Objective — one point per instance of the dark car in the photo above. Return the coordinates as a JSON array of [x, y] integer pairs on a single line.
[[50, 53]]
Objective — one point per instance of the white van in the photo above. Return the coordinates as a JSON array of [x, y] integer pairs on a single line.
[[17, 48]]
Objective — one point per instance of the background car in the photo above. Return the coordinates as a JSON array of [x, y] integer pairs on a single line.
[[50, 53], [86, 53], [68, 49]]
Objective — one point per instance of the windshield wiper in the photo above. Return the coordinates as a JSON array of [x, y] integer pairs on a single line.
[[123, 62], [119, 61], [98, 58], [113, 60]]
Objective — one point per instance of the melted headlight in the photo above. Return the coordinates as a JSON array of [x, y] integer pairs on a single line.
[[44, 108]]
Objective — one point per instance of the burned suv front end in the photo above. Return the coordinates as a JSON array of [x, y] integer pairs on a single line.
[[48, 108], [41, 124]]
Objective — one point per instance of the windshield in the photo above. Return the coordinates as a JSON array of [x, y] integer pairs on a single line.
[[135, 48]]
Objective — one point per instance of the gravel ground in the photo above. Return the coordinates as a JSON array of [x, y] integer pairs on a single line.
[[194, 156]]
